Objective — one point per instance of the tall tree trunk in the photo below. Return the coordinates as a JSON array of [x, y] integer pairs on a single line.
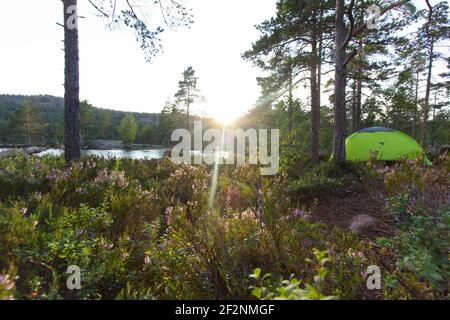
[[187, 116], [319, 86], [340, 80], [433, 123], [319, 71], [315, 104], [357, 102], [426, 108], [356, 115], [291, 98], [416, 101], [71, 85], [188, 105], [353, 104]]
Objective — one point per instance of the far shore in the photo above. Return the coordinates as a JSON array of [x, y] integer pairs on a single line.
[[87, 146], [9, 149]]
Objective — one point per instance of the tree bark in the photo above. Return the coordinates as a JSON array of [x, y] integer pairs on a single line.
[[187, 117], [188, 106], [340, 79], [426, 107], [356, 110], [341, 60], [319, 87], [290, 98], [71, 86], [416, 101], [319, 71], [315, 104], [353, 103]]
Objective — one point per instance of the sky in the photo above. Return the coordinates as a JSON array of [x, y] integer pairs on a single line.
[[113, 71]]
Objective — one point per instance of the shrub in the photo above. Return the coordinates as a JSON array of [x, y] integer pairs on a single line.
[[146, 229], [420, 250], [290, 289]]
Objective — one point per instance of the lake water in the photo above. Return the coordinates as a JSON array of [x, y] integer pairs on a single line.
[[131, 154]]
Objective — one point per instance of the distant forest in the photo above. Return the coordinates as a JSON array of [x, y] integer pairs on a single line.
[[40, 120]]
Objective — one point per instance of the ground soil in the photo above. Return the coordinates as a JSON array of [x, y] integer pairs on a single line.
[[346, 209]]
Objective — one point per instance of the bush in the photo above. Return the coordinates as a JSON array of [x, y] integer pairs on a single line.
[[290, 289], [323, 179], [420, 250], [146, 229]]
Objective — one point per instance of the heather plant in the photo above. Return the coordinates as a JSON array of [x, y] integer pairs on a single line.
[[145, 229], [325, 178], [238, 189], [427, 187], [6, 287], [417, 200], [22, 175]]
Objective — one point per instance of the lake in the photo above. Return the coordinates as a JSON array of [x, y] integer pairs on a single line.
[[131, 154]]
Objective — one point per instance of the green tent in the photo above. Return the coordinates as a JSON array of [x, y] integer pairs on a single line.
[[389, 144]]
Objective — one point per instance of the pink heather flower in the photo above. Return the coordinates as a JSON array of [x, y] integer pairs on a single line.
[[116, 178], [105, 245], [80, 190], [300, 214], [232, 196], [6, 282], [37, 196], [57, 175], [169, 215], [248, 215]]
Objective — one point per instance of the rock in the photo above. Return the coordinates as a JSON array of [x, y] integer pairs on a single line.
[[361, 222], [103, 144], [27, 150], [6, 153], [33, 150]]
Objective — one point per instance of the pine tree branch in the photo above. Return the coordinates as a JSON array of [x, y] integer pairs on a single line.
[[98, 9], [352, 25], [363, 27], [350, 57]]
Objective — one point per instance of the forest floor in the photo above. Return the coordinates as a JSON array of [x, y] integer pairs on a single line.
[[357, 210]]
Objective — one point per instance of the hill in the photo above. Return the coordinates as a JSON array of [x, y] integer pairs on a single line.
[[49, 111]]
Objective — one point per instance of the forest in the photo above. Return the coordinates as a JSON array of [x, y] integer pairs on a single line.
[[45, 115], [338, 221]]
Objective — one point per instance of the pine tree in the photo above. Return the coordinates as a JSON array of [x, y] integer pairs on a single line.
[[26, 124], [343, 36], [188, 93], [118, 13], [435, 30], [295, 41]]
